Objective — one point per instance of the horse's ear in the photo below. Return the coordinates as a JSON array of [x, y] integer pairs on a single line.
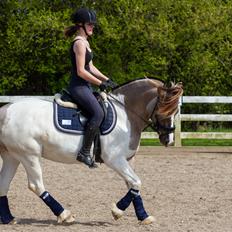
[[168, 85], [180, 85]]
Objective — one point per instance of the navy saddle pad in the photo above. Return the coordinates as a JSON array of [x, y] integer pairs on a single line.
[[72, 121]]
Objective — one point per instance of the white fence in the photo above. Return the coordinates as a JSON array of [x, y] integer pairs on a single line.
[[203, 117], [199, 117], [179, 117]]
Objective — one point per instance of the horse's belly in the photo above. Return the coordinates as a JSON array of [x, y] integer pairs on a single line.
[[63, 150]]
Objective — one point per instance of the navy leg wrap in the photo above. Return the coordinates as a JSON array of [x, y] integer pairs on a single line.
[[5, 214], [139, 209], [55, 206], [124, 203]]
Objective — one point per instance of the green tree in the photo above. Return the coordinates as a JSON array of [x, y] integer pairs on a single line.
[[173, 40]]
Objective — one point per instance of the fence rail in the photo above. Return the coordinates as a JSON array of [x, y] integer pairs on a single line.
[[179, 135], [202, 117], [179, 117]]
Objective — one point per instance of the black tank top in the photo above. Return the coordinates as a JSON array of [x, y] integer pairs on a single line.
[[75, 79]]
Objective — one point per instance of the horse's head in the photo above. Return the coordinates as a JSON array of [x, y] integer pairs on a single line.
[[165, 111]]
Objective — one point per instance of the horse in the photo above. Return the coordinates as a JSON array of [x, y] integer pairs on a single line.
[[27, 134]]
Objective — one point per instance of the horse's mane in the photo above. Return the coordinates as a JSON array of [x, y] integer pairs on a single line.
[[169, 99], [168, 96], [137, 79]]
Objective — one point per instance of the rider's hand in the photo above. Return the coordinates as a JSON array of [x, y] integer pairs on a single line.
[[103, 86], [107, 85]]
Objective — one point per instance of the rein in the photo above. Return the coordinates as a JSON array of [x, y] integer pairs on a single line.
[[148, 123]]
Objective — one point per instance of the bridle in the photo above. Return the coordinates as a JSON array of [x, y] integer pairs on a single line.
[[149, 123], [157, 126]]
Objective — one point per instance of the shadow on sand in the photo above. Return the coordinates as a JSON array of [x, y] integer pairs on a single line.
[[37, 222]]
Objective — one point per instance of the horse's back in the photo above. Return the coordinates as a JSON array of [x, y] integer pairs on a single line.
[[28, 106], [24, 120]]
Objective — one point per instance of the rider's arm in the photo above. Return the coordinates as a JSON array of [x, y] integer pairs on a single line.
[[97, 73], [80, 50]]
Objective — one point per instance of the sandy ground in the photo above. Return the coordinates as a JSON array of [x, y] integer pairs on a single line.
[[185, 189]]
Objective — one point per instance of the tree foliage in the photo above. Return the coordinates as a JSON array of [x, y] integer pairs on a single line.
[[173, 40]]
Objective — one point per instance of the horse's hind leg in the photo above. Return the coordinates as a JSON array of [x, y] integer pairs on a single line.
[[35, 184], [9, 168]]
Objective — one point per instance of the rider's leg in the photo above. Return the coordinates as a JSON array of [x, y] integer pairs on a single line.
[[89, 136], [84, 97]]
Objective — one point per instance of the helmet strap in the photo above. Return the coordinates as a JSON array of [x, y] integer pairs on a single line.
[[83, 26]]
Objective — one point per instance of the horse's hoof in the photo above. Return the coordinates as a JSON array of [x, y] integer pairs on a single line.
[[66, 217], [14, 221], [148, 220], [116, 212]]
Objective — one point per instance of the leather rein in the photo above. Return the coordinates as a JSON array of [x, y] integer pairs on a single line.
[[155, 126]]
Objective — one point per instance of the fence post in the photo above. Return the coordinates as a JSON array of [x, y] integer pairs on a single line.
[[177, 133]]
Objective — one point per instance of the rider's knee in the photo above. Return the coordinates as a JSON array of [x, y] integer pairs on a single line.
[[98, 117]]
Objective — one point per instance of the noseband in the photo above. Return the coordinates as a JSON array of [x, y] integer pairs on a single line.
[[157, 125], [167, 130]]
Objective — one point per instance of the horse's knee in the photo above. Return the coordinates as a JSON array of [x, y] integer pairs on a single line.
[[136, 184], [35, 189]]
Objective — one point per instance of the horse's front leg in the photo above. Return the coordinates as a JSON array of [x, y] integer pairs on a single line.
[[32, 166], [122, 167]]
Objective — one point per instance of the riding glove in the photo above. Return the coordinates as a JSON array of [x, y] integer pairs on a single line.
[[107, 85]]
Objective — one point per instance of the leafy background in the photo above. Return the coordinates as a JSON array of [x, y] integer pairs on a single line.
[[173, 40]]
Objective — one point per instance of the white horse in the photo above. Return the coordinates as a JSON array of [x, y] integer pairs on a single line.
[[27, 134]]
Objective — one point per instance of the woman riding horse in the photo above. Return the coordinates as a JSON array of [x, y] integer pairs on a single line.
[[84, 73]]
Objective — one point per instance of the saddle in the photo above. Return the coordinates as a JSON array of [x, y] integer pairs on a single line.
[[70, 118]]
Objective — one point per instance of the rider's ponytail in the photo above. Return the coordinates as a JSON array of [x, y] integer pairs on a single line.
[[71, 30]]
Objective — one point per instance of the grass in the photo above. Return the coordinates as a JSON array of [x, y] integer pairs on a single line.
[[150, 142], [191, 142], [196, 142]]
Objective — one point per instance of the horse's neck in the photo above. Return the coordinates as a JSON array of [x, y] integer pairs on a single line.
[[139, 101]]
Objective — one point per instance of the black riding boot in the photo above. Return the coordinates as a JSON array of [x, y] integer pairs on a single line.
[[84, 154]]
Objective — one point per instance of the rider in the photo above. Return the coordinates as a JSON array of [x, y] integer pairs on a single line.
[[83, 74]]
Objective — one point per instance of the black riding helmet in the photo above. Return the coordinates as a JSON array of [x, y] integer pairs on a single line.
[[83, 16]]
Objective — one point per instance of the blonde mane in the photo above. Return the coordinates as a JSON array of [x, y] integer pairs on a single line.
[[169, 99]]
